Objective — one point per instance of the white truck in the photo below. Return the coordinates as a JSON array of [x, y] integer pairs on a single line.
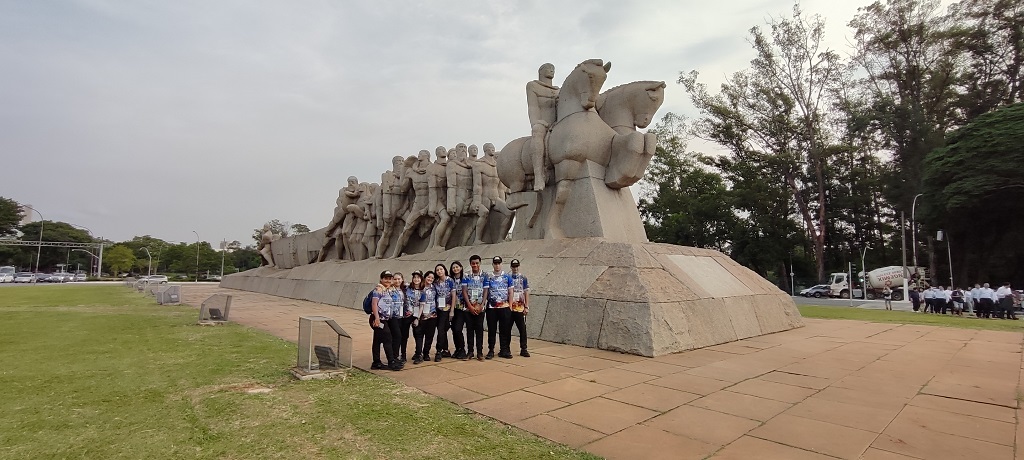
[[6, 274], [877, 280]]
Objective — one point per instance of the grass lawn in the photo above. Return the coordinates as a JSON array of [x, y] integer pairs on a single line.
[[904, 317], [101, 372]]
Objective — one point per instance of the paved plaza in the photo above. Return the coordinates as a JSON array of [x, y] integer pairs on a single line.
[[832, 389]]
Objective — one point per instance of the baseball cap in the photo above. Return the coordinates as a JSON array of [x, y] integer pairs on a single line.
[[514, 262], [386, 274], [496, 260]]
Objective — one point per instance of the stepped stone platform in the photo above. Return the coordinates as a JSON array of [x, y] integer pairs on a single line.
[[646, 299]]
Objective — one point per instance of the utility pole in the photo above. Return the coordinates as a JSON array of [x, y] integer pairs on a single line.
[[903, 243], [197, 255], [149, 272]]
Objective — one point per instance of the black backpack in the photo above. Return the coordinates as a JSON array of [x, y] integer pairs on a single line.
[[368, 303]]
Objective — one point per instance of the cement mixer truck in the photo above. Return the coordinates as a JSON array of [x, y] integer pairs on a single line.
[[877, 280]]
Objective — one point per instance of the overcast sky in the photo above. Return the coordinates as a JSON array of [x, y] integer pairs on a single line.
[[163, 117]]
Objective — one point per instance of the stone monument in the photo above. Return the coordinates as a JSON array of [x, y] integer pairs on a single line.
[[596, 280]]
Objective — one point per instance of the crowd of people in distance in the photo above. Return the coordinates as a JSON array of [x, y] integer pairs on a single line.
[[981, 300], [448, 299]]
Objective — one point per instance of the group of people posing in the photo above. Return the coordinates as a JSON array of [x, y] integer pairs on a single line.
[[432, 303], [982, 300]]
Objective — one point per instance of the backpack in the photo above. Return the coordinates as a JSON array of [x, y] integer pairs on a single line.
[[368, 303]]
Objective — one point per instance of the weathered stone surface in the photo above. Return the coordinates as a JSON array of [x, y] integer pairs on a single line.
[[573, 320], [690, 298]]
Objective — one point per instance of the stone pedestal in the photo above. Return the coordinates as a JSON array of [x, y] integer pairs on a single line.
[[647, 299], [592, 211]]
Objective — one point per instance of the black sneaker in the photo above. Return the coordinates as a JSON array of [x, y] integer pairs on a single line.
[[505, 354], [402, 359], [490, 354], [416, 359], [469, 356], [480, 356], [426, 356], [377, 366], [524, 353], [437, 358], [446, 354], [395, 366], [459, 354]]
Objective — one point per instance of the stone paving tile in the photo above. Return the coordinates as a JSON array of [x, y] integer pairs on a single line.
[[773, 390], [654, 443], [909, 439], [1019, 445], [559, 430], [652, 367], [749, 447], [453, 393], [1006, 396], [863, 396], [816, 370], [603, 415], [422, 376], [805, 381], [877, 454], [652, 397], [587, 363], [959, 406], [616, 377], [545, 372], [515, 406], [734, 348], [690, 383], [726, 371], [845, 414], [702, 424], [694, 358], [742, 405], [571, 390], [967, 426], [561, 351], [494, 383], [816, 436], [616, 356]]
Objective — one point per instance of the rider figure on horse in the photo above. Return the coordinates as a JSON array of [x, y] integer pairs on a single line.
[[541, 97]]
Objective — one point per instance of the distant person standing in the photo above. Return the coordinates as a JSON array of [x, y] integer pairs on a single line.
[[445, 287], [499, 315], [958, 301], [915, 299], [887, 296], [985, 301], [474, 289], [929, 300], [459, 314], [520, 302], [1005, 296], [383, 306]]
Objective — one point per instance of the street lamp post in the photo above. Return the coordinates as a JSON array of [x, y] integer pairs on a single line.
[[197, 255], [149, 272], [223, 252], [41, 219], [94, 256], [913, 229], [864, 269], [903, 243]]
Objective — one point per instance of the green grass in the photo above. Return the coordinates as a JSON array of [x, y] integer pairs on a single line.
[[110, 374], [903, 317]]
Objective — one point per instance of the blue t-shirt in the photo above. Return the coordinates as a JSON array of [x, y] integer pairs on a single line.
[[429, 300], [444, 290], [475, 285], [412, 299], [457, 286], [387, 304], [498, 284]]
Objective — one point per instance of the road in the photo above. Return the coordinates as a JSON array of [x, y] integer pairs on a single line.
[[857, 303]]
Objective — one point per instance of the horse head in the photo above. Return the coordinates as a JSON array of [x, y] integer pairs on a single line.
[[648, 102], [631, 105], [582, 87]]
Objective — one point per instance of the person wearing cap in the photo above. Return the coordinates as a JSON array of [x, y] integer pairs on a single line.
[[499, 315], [474, 294], [383, 306], [520, 304]]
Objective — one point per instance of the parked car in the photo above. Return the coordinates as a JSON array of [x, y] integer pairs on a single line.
[[156, 279], [6, 277], [819, 291], [25, 277], [80, 277]]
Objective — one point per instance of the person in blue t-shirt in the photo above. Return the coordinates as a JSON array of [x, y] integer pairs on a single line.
[[426, 316], [413, 293], [445, 287], [499, 315], [520, 302], [458, 313], [474, 294], [383, 307]]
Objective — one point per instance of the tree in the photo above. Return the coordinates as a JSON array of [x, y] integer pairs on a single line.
[[49, 257], [774, 118], [11, 214], [276, 226], [118, 259], [989, 36], [299, 229], [976, 190]]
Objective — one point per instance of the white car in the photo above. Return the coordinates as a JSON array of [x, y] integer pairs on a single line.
[[80, 277], [156, 279], [6, 277], [25, 277]]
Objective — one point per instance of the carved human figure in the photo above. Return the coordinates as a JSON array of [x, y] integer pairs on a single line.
[[416, 181], [437, 184], [360, 219], [266, 239], [392, 203], [346, 196], [488, 193], [460, 182], [541, 97]]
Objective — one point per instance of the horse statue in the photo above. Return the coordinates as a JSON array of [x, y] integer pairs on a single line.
[[590, 126]]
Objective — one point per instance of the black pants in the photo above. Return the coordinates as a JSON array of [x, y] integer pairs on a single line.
[[1006, 305], [474, 331], [458, 324], [404, 340], [424, 334], [382, 338], [917, 304], [443, 324], [985, 308], [394, 326], [519, 319], [499, 321]]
